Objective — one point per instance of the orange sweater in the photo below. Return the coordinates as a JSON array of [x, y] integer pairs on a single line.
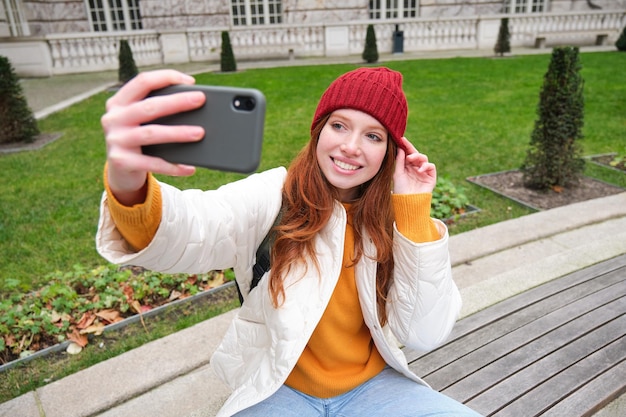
[[340, 354]]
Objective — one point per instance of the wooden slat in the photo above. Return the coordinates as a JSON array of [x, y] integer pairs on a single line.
[[472, 342], [593, 396], [565, 382], [515, 304], [496, 371], [558, 349]]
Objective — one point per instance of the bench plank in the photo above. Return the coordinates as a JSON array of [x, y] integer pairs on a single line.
[[521, 301], [518, 359], [600, 392], [469, 344], [559, 348], [536, 383], [566, 381]]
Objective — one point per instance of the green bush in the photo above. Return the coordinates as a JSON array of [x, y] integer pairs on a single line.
[[554, 157], [127, 68], [370, 52], [17, 122], [448, 201], [621, 41], [503, 44], [227, 57]]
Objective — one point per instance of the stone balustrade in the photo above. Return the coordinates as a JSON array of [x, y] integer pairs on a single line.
[[87, 52]]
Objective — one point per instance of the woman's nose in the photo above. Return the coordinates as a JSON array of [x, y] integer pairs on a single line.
[[351, 145]]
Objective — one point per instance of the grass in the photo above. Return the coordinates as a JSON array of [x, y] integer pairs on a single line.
[[470, 115]]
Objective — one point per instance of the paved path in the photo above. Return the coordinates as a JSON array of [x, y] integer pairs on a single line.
[[170, 377]]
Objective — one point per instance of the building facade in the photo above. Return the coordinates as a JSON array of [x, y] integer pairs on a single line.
[[62, 36], [38, 18]]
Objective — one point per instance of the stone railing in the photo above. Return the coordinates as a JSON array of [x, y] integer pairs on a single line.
[[90, 52], [86, 52], [581, 28]]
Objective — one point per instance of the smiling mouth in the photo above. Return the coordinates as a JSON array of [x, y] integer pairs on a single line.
[[345, 166]]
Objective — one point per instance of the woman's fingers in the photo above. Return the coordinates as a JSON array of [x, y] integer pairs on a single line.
[[153, 134], [141, 85], [149, 109]]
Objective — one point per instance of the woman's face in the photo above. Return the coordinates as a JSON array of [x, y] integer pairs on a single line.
[[350, 150]]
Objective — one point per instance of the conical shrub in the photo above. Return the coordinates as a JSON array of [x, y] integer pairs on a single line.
[[127, 67], [17, 122], [621, 41], [503, 44], [554, 157], [370, 51], [227, 57]]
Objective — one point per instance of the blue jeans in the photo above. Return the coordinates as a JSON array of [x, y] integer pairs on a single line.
[[388, 394]]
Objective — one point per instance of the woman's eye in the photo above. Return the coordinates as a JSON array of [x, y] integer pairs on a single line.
[[374, 137], [337, 126]]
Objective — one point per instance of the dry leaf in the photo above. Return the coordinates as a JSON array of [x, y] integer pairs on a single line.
[[557, 188], [135, 306], [216, 281], [174, 295], [86, 320], [80, 339], [96, 329], [109, 316]]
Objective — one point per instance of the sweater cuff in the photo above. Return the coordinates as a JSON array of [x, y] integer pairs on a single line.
[[412, 216], [137, 224]]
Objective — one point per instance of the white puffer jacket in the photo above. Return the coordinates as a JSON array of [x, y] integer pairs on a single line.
[[219, 229]]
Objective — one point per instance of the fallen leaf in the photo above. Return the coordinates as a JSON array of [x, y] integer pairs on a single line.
[[135, 306], [80, 339], [557, 188], [174, 295], [216, 281], [86, 320], [109, 316], [95, 329]]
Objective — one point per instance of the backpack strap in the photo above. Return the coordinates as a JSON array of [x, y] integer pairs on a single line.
[[263, 259]]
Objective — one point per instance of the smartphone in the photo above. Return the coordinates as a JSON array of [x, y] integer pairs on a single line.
[[233, 120]]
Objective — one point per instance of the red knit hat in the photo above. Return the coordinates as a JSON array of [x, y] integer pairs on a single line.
[[375, 91]]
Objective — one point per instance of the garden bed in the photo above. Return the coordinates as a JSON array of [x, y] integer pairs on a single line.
[[509, 184], [609, 160]]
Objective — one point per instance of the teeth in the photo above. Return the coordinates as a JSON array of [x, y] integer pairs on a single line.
[[343, 165]]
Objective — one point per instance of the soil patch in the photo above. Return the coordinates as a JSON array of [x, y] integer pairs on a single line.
[[40, 141], [509, 184], [610, 161]]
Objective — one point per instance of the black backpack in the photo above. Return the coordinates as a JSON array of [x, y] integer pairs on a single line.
[[263, 261]]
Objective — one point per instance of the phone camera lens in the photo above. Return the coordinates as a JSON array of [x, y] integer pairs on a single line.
[[244, 103]]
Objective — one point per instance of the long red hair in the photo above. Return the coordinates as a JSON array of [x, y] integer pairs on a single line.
[[308, 201]]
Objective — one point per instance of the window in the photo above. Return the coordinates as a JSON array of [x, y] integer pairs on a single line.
[[256, 12], [524, 6], [15, 18], [392, 9], [111, 15]]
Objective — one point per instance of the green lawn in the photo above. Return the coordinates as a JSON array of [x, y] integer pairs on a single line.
[[470, 115]]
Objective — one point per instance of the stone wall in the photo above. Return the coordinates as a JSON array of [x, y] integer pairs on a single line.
[[183, 14], [70, 16], [56, 16]]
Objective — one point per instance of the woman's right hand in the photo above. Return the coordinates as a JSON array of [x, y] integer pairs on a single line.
[[125, 134]]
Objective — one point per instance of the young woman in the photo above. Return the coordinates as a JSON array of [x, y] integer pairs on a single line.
[[358, 265]]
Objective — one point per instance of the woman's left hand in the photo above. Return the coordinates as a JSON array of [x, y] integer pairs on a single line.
[[413, 173]]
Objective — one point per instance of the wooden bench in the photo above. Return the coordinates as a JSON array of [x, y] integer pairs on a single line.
[[556, 350]]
